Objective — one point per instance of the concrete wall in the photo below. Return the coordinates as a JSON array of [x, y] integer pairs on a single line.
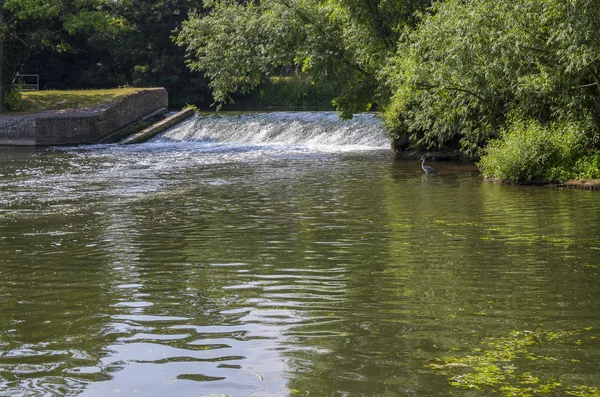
[[17, 131], [65, 130], [159, 127], [80, 126]]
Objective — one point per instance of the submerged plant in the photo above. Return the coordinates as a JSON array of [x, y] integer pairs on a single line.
[[494, 366]]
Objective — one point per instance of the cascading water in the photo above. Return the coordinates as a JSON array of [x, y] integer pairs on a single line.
[[224, 139], [317, 130]]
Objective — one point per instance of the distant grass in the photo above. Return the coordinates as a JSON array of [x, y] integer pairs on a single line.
[[39, 101]]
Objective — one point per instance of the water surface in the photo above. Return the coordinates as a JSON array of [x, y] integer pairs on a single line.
[[286, 263]]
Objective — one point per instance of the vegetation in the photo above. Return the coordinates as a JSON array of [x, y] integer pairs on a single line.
[[27, 26], [530, 151], [479, 71], [291, 92], [141, 54], [494, 367], [98, 44], [341, 44]]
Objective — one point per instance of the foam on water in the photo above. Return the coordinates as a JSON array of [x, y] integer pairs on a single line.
[[321, 131]]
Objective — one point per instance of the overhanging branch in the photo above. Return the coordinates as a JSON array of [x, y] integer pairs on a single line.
[[466, 91]]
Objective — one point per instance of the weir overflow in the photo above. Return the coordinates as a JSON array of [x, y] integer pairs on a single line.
[[315, 129]]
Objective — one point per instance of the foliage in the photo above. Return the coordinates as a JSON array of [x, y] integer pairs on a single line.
[[495, 367], [532, 151], [26, 26], [587, 166], [287, 92], [12, 100], [472, 65], [339, 44], [74, 15], [146, 55], [459, 71], [141, 54], [522, 76]]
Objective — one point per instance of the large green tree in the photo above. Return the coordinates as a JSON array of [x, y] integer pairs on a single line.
[[26, 25], [341, 43], [471, 66], [454, 72], [141, 54], [523, 75]]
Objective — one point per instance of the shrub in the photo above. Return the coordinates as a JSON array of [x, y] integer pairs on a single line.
[[529, 150], [12, 100], [588, 166]]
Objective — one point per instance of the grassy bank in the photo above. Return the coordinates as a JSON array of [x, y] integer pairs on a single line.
[[39, 101]]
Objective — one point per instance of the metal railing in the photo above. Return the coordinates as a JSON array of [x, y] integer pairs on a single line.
[[28, 82]]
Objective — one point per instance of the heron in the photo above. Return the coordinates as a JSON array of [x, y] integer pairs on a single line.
[[426, 168]]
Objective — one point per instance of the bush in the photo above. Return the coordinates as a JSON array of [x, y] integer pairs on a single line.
[[12, 100], [588, 166], [529, 150]]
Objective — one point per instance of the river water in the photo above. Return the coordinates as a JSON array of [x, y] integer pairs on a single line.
[[289, 254]]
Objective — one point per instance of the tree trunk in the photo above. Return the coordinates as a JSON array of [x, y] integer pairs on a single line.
[[1, 52]]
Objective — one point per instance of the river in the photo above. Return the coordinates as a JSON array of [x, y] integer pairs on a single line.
[[289, 254]]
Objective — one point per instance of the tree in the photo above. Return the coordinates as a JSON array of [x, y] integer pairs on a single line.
[[342, 43], [472, 66], [29, 24], [141, 54], [146, 55]]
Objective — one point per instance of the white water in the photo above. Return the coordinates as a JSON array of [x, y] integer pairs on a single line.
[[321, 131], [213, 141]]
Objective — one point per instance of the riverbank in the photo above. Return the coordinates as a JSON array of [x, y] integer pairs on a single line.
[[586, 184], [457, 156]]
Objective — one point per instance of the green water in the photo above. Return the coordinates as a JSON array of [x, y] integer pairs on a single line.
[[242, 271]]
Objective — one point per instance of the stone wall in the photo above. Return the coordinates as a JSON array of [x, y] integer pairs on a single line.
[[81, 126], [17, 131]]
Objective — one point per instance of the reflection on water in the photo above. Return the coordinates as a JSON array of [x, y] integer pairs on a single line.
[[189, 269]]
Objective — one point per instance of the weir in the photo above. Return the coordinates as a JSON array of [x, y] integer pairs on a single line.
[[314, 129], [82, 125]]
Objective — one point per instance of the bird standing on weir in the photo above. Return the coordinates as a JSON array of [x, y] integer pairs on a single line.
[[426, 168]]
